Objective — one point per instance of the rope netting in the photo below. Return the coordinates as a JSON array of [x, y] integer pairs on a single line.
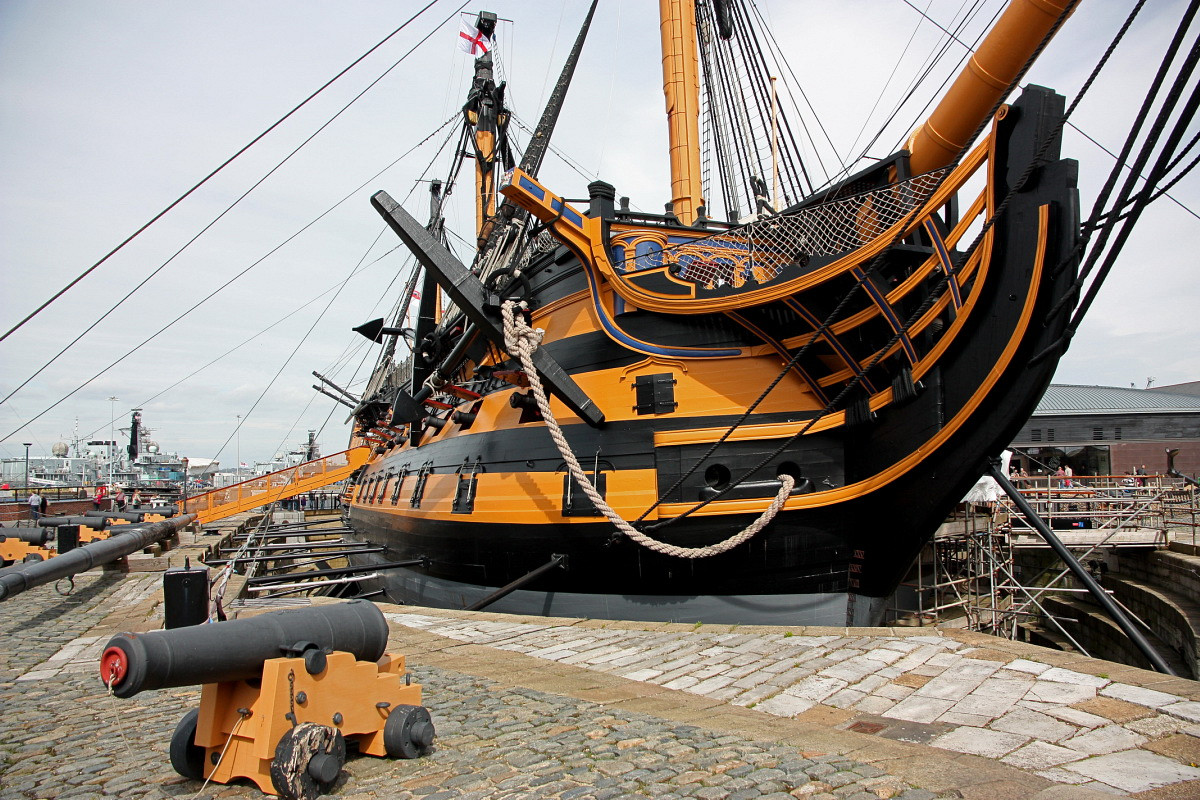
[[760, 251], [544, 242]]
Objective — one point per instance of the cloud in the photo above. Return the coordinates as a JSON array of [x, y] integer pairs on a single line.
[[112, 110]]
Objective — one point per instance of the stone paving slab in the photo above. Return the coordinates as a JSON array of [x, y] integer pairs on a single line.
[[544, 708], [1060, 720], [62, 736]]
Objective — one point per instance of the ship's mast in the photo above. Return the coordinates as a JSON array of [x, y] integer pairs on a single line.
[[681, 85], [485, 111], [539, 140]]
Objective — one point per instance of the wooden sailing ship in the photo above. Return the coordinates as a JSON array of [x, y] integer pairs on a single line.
[[757, 420]]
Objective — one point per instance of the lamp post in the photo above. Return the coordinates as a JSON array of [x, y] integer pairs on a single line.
[[27, 446], [238, 431], [112, 438]]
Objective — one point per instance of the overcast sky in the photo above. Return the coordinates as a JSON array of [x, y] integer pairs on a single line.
[[109, 110]]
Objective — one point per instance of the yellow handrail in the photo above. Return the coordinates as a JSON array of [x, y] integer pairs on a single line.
[[265, 489]]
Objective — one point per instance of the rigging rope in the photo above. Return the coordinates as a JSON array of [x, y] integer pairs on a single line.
[[332, 370], [521, 341], [1139, 202], [207, 177], [922, 73], [292, 355], [783, 65], [1164, 191], [227, 209], [212, 294]]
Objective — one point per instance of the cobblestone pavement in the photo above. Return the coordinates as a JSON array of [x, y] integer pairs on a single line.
[[546, 709], [61, 736], [1068, 726]]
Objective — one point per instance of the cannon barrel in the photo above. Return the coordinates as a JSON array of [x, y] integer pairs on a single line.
[[95, 523], [235, 650], [166, 511], [34, 536], [128, 516], [19, 577]]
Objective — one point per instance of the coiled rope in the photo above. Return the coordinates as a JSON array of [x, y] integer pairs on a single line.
[[521, 341]]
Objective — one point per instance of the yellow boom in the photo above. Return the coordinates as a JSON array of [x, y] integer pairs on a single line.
[[983, 82]]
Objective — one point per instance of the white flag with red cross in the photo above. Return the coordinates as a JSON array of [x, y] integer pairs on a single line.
[[470, 40]]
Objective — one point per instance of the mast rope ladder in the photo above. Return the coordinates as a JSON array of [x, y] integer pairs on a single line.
[[521, 340]]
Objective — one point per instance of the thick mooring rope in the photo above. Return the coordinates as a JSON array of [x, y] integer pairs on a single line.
[[521, 341]]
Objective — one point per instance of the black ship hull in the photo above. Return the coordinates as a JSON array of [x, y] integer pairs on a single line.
[[873, 489]]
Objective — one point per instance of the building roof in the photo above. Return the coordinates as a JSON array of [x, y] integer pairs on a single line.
[[1192, 387], [1065, 399]]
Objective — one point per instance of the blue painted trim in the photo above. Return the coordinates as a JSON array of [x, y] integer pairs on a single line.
[[882, 304], [947, 265], [531, 187], [568, 213], [624, 338], [813, 386], [832, 341]]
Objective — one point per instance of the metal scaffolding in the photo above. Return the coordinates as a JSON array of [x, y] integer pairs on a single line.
[[963, 576], [968, 575]]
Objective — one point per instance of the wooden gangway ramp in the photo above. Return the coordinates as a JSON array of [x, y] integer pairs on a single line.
[[266, 489]]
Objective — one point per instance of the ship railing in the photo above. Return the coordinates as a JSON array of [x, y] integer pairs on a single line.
[[272, 487], [1110, 510], [51, 493], [762, 249]]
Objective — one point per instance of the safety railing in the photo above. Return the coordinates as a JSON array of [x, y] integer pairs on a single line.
[[1112, 509], [286, 483]]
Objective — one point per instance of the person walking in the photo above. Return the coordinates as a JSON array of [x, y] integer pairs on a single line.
[[99, 497], [35, 506]]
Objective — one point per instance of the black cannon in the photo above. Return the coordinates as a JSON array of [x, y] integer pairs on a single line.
[[138, 514], [235, 650], [95, 523], [34, 536], [166, 511], [127, 516], [19, 577], [25, 544], [307, 679]]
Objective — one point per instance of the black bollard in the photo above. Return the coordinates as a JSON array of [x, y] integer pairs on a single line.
[[68, 538], [185, 596]]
